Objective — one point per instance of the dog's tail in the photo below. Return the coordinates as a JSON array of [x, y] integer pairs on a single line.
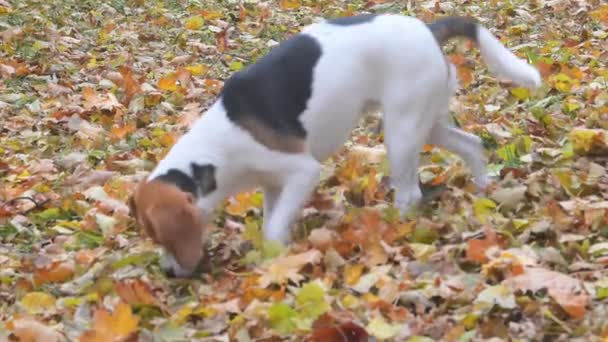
[[500, 60]]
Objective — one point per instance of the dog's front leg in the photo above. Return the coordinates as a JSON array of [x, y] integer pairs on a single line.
[[300, 175], [271, 194], [405, 133]]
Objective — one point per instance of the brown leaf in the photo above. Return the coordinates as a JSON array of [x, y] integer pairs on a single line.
[[345, 332], [287, 268], [568, 292]]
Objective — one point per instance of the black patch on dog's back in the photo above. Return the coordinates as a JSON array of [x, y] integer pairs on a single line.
[[202, 179], [276, 89], [353, 20]]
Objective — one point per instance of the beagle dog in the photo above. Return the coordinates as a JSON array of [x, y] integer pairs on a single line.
[[277, 120]]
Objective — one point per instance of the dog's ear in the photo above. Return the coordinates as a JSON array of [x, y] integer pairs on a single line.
[[179, 229]]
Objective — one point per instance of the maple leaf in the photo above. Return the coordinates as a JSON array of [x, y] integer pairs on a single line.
[[58, 271], [135, 292], [287, 268], [30, 330], [114, 326], [37, 302], [476, 248], [565, 290]]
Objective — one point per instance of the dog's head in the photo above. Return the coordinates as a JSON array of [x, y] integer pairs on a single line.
[[170, 217]]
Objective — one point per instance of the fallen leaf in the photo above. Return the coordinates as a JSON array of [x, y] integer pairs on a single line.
[[37, 302], [565, 290], [29, 330], [118, 325], [476, 248], [287, 268]]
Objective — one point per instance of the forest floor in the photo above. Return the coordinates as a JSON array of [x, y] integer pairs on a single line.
[[93, 94]]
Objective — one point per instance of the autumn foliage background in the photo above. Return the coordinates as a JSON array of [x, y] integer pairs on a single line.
[[94, 93]]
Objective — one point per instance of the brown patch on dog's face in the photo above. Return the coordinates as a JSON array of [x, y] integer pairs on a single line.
[[170, 218], [270, 138]]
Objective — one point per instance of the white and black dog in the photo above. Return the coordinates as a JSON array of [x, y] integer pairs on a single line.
[[278, 119]]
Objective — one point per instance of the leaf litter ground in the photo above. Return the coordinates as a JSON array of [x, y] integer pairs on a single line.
[[93, 94]]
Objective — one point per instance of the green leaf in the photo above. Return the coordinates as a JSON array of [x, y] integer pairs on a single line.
[[521, 93], [602, 293], [424, 235], [236, 66], [281, 318], [271, 249], [253, 233], [50, 214], [311, 301]]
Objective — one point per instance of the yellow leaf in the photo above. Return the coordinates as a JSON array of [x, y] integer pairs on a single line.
[[382, 330], [115, 326], [586, 141], [210, 15], [37, 302], [243, 202], [168, 82], [352, 274], [483, 207], [289, 4], [521, 93], [195, 22], [197, 69]]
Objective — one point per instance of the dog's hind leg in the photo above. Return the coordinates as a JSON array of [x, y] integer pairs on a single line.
[[468, 146]]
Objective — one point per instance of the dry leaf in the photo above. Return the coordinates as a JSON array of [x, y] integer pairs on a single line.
[[286, 268], [568, 292]]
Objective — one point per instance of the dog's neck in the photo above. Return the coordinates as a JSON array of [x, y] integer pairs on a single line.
[[191, 164]]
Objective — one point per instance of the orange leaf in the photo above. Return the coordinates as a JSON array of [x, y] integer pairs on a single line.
[[168, 82], [130, 85], [352, 273], [115, 326], [243, 202], [458, 59], [465, 75], [476, 248], [221, 40], [135, 292], [57, 272], [87, 256], [545, 69], [120, 132]]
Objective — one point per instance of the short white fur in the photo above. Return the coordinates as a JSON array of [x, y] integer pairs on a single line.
[[393, 61]]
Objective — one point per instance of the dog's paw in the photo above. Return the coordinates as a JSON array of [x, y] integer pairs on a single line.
[[278, 235], [482, 182], [407, 199]]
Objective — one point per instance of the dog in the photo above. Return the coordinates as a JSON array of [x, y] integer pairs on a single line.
[[278, 119]]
